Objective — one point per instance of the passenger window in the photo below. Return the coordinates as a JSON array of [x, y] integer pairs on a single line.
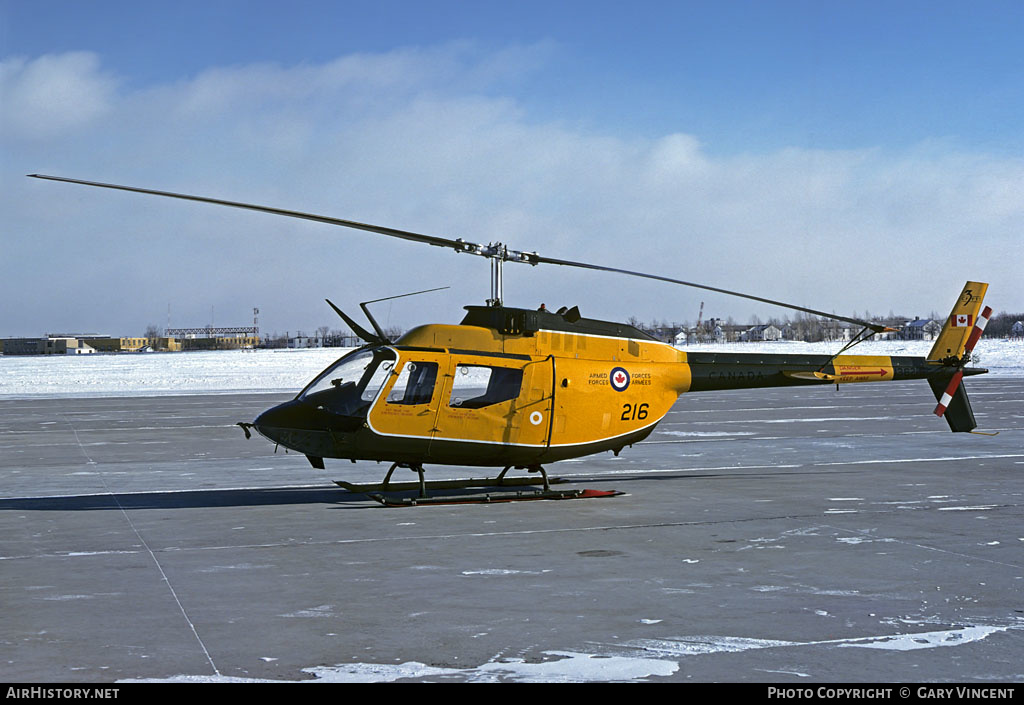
[[476, 386], [376, 381], [415, 384]]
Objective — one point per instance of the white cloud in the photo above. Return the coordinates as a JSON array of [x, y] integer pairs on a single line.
[[435, 140], [53, 94]]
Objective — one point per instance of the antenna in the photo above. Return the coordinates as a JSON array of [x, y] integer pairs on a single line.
[[373, 321], [380, 338]]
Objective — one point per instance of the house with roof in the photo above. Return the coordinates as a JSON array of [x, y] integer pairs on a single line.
[[760, 333], [921, 329]]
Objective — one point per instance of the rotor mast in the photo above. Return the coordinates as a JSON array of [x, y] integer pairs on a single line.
[[498, 254], [497, 292]]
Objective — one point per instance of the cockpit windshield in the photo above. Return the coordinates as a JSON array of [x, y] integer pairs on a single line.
[[349, 386]]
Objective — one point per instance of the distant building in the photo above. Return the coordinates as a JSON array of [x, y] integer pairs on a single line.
[[837, 331], [921, 329], [1017, 330], [220, 343], [303, 341], [211, 338], [733, 332], [84, 344], [106, 344], [24, 346], [898, 325], [665, 334], [49, 345], [761, 333], [68, 346]]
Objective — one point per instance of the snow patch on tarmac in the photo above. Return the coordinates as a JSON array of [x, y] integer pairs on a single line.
[[636, 660]]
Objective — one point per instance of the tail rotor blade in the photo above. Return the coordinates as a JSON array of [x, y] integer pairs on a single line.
[[947, 396], [979, 328]]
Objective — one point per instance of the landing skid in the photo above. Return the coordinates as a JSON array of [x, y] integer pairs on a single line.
[[375, 491], [423, 486], [445, 484], [493, 498]]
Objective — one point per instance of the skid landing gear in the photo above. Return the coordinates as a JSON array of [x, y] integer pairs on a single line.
[[423, 486], [494, 497], [530, 468], [374, 491], [415, 467]]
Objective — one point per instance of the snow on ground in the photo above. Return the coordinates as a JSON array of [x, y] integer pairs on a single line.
[[230, 371], [147, 374]]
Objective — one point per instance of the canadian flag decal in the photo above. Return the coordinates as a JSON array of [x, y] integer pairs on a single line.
[[961, 320]]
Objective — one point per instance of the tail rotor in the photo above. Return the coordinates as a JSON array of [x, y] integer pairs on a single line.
[[957, 378]]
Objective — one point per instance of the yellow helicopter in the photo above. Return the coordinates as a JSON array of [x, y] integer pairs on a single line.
[[520, 388]]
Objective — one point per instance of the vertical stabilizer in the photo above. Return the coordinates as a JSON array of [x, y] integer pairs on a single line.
[[958, 326]]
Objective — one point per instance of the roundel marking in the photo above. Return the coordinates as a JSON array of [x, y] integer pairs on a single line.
[[619, 379], [536, 417]]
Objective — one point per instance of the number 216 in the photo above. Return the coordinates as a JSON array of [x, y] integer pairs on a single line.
[[632, 412]]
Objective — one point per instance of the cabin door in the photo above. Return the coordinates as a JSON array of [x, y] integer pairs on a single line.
[[501, 404]]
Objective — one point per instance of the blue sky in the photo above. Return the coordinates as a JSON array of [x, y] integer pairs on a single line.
[[705, 139], [744, 75]]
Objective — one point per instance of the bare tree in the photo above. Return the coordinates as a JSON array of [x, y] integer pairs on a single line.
[[1002, 323]]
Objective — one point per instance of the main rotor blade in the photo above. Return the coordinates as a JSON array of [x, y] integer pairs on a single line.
[[392, 232], [494, 251], [876, 327]]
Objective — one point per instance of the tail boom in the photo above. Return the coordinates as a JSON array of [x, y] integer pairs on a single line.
[[716, 371], [944, 367]]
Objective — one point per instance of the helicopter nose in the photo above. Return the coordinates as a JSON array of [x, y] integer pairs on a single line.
[[293, 424], [307, 428], [281, 422]]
